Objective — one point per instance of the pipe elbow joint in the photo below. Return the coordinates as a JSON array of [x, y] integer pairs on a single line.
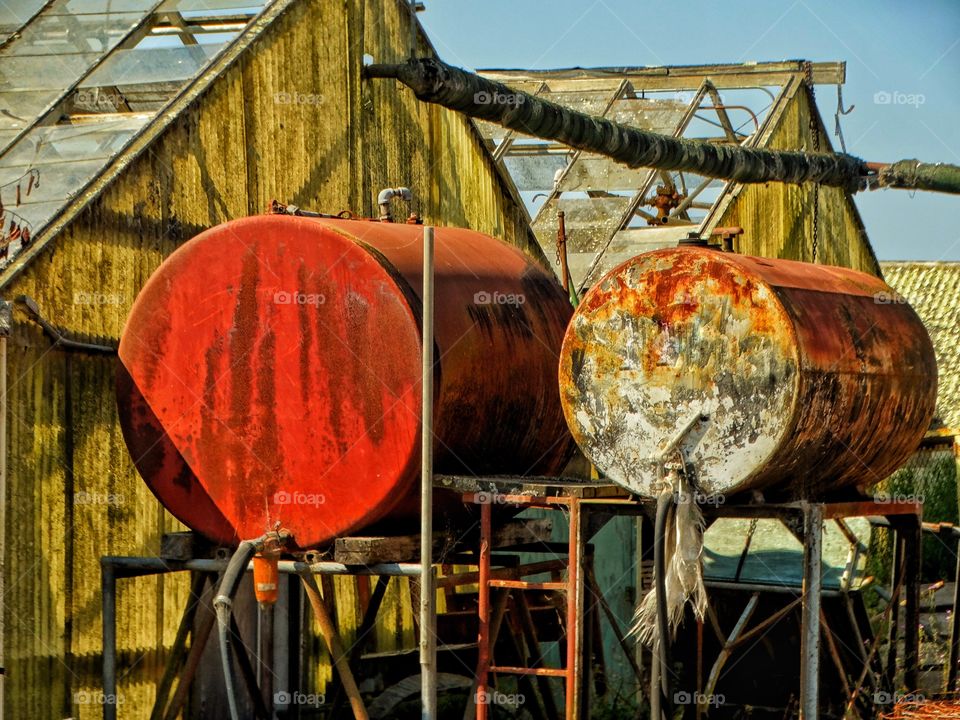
[[387, 195]]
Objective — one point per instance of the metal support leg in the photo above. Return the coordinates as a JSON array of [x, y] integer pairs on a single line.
[[108, 593], [896, 584], [574, 613], [369, 619], [428, 614], [954, 630], [179, 650], [265, 652], [810, 638], [331, 637], [656, 711], [199, 637], [911, 617], [483, 639]]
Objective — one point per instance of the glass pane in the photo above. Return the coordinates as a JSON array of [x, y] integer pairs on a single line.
[[597, 172], [35, 215], [65, 143], [13, 15], [590, 222], [592, 103], [84, 7], [19, 108], [215, 7], [51, 192], [72, 34], [43, 71], [145, 65], [58, 185], [535, 172], [660, 116], [58, 46]]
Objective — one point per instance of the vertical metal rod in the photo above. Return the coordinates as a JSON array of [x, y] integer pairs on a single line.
[[3, 495], [656, 710], [911, 614], [574, 609], [108, 594], [247, 672], [428, 645], [483, 609], [562, 251], [810, 638], [954, 630], [700, 687], [895, 586], [282, 680], [265, 625]]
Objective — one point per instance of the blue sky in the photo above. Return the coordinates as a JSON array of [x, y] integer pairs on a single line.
[[909, 50]]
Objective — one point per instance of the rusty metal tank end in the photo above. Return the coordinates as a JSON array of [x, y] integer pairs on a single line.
[[270, 373], [813, 378]]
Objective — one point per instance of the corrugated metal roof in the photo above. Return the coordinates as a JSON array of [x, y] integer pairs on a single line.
[[933, 289]]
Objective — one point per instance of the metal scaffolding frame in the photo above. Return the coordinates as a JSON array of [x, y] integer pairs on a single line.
[[612, 212], [579, 503], [804, 518]]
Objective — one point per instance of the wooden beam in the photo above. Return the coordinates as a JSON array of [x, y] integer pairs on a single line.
[[405, 548], [678, 77]]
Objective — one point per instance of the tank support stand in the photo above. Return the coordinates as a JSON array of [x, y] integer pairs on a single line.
[[586, 506]]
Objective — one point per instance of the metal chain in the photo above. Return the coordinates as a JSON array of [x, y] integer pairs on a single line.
[[815, 132]]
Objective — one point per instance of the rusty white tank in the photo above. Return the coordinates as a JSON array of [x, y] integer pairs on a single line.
[[809, 378]]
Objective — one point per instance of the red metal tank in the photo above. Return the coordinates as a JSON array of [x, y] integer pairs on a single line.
[[812, 377], [270, 373]]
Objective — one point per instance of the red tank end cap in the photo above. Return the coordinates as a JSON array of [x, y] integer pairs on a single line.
[[256, 385]]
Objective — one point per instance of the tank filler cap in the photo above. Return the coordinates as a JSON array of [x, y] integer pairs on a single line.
[[694, 239]]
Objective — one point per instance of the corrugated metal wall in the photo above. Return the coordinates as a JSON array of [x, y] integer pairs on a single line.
[[290, 120]]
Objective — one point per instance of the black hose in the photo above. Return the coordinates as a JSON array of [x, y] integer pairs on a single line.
[[664, 506], [223, 605], [56, 335], [436, 82]]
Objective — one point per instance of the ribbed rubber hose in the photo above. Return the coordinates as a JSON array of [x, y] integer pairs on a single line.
[[434, 81], [664, 506], [223, 606]]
